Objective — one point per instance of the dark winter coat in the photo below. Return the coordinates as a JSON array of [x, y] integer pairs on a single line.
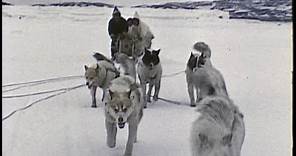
[[117, 27]]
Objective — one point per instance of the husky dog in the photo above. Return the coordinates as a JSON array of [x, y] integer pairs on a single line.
[[126, 64], [210, 82], [149, 71], [203, 48], [124, 104], [201, 76], [99, 75], [219, 130]]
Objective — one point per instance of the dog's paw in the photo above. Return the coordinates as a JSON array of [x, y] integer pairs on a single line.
[[148, 99], [198, 100], [127, 154], [111, 144], [155, 98], [94, 106], [192, 105]]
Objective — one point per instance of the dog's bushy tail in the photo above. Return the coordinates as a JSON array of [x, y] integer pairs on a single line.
[[101, 57]]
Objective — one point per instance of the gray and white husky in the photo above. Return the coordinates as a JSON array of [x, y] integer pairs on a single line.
[[219, 130], [124, 104], [126, 65], [150, 71], [202, 77], [99, 75]]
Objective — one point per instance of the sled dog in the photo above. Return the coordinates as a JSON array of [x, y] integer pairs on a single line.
[[203, 48], [149, 71], [124, 104], [219, 130], [99, 75], [127, 65], [202, 77]]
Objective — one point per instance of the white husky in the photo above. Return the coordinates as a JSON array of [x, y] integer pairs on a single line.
[[99, 75], [124, 104], [219, 130]]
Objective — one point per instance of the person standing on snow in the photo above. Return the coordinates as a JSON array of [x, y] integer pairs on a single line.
[[145, 33], [141, 35], [116, 26]]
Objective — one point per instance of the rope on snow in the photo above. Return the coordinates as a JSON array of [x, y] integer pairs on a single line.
[[44, 80], [36, 93], [41, 99]]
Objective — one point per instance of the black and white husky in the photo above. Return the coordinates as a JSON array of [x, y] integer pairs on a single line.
[[149, 71]]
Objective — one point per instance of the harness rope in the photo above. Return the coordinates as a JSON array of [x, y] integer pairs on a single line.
[[36, 93], [62, 90], [42, 99], [172, 101], [44, 80]]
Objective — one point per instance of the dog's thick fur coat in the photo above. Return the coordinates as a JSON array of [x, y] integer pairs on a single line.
[[219, 130], [99, 75], [127, 64], [124, 104], [202, 77], [150, 71]]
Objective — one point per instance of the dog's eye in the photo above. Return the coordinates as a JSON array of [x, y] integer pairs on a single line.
[[124, 109], [116, 110]]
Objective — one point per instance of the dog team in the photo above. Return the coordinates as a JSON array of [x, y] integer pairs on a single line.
[[219, 130]]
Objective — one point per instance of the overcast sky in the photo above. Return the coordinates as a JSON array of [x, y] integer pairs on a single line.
[[117, 2]]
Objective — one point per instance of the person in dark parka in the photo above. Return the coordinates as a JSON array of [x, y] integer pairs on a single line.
[[117, 25]]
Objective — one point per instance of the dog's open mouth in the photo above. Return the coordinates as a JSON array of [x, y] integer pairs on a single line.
[[121, 124]]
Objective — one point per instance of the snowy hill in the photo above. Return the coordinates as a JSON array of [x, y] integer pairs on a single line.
[[53, 42]]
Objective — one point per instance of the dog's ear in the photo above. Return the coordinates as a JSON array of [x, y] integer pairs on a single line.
[[226, 140], [97, 67], [85, 67], [111, 94], [156, 52], [129, 93], [191, 54], [203, 138]]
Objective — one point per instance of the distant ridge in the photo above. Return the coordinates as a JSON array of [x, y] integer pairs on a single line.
[[268, 10], [178, 5], [79, 4], [6, 3]]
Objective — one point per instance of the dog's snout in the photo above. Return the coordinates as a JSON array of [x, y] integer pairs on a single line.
[[151, 65], [87, 83], [120, 119]]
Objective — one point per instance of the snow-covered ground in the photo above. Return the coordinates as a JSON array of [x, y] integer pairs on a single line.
[[39, 43]]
